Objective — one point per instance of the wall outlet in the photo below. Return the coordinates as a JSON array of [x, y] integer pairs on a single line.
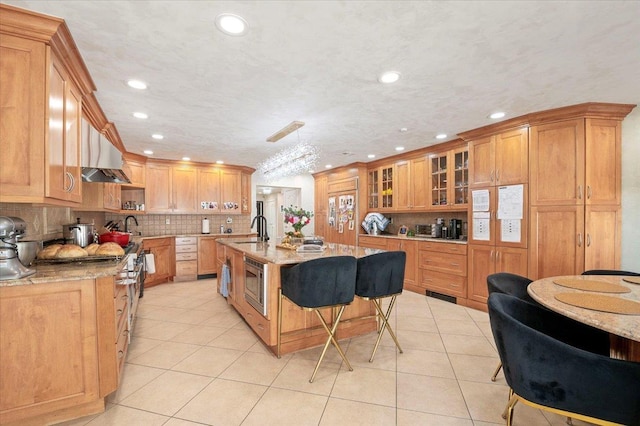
[[167, 221], [229, 220]]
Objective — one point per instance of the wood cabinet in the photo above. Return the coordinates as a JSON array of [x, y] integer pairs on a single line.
[[163, 250], [48, 350], [575, 193], [136, 172], [409, 247], [442, 268], [100, 197], [171, 189], [220, 191], [186, 258], [501, 159], [412, 184], [380, 187], [41, 109], [207, 255], [449, 180], [379, 243]]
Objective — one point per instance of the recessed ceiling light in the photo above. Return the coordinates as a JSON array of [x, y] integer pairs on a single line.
[[403, 129], [219, 162], [371, 156], [389, 77], [497, 115], [137, 84], [141, 115], [157, 136], [441, 136], [148, 152], [231, 24], [186, 159], [328, 166], [399, 148]]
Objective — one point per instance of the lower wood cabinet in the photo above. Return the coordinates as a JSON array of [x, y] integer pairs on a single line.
[[207, 255], [163, 250], [442, 268], [409, 247], [186, 258]]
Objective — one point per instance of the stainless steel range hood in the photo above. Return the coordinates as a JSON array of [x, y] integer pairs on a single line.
[[101, 161]]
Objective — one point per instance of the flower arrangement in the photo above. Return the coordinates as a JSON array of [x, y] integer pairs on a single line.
[[297, 218]]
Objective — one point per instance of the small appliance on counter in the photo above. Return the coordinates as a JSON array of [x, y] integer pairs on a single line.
[[81, 234], [11, 229], [423, 230], [455, 229]]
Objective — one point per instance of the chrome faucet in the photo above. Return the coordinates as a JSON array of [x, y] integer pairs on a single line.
[[126, 222], [263, 236]]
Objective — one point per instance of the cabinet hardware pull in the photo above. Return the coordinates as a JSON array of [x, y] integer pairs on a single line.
[[125, 297], [579, 192], [497, 256], [491, 256], [125, 333], [588, 240], [497, 175], [588, 192], [120, 354], [70, 187], [119, 312], [491, 176], [580, 240]]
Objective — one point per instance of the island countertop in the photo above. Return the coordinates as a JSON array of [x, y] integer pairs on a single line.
[[269, 252]]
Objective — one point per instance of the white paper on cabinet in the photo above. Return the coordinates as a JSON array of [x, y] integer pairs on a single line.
[[481, 226], [510, 230], [480, 200], [510, 202]]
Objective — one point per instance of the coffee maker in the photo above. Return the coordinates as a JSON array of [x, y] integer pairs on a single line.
[[455, 229], [11, 229]]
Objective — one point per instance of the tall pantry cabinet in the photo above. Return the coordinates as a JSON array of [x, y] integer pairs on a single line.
[[575, 180]]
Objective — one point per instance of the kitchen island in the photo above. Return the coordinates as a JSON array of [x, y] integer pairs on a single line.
[[301, 329]]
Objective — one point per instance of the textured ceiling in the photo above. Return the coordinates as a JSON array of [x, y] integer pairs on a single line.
[[218, 97]]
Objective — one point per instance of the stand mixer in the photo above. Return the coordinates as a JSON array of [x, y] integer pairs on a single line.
[[11, 229]]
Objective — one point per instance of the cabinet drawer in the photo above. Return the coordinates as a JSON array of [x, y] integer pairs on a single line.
[[186, 256], [256, 321], [453, 285], [443, 262], [121, 306], [373, 242], [189, 267], [183, 241], [190, 248], [122, 345], [443, 247]]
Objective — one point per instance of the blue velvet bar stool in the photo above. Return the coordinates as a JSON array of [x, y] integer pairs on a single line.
[[326, 282], [379, 276]]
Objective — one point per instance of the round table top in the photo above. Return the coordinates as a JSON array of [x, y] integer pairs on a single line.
[[628, 326]]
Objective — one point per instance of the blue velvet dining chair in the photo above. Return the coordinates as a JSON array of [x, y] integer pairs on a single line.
[[541, 364]]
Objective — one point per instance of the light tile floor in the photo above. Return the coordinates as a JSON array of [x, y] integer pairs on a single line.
[[194, 361]]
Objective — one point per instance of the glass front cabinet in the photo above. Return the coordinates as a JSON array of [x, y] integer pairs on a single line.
[[449, 179], [380, 188]]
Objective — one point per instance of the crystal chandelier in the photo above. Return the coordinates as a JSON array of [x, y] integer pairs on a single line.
[[288, 162]]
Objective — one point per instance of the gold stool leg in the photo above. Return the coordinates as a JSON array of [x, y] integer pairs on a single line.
[[495, 373], [385, 325], [331, 339], [279, 321]]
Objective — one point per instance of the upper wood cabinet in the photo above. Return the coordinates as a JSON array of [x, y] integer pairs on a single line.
[[41, 110], [220, 191], [449, 180], [171, 189], [100, 197], [136, 172], [380, 187], [576, 162], [411, 184], [500, 159]]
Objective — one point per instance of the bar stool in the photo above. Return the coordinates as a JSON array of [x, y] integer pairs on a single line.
[[315, 284], [381, 275]]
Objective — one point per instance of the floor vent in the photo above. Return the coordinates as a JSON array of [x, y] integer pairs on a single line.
[[441, 296]]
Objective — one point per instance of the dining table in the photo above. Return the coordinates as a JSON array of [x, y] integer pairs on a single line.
[[608, 302]]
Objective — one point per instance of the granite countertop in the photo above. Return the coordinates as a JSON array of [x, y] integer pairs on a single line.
[[430, 239], [268, 252], [216, 235]]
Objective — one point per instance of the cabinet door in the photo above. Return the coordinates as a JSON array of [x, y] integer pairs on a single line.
[[485, 233], [481, 169], [603, 160], [403, 186], [419, 183], [512, 157], [207, 256], [112, 198], [158, 193], [459, 176], [438, 164], [410, 248], [184, 189], [556, 241], [557, 163], [231, 191], [373, 189], [209, 190], [602, 237], [73, 117], [481, 259], [512, 260], [22, 86], [135, 171], [246, 193], [387, 187]]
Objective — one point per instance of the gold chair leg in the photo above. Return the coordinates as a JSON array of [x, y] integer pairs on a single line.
[[279, 321], [495, 373], [506, 408], [569, 421], [385, 325], [510, 406], [331, 339]]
